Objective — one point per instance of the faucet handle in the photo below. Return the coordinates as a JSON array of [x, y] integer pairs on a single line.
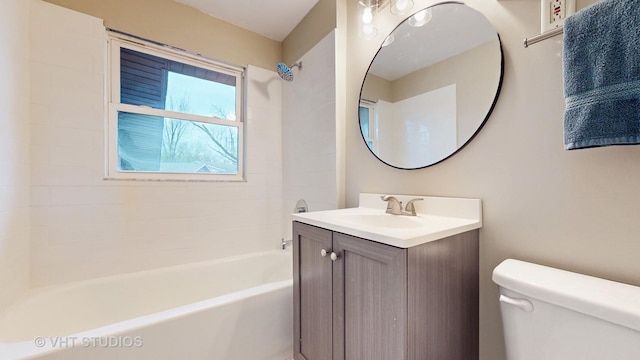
[[410, 208]]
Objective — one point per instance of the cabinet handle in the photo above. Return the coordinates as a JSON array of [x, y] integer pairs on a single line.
[[324, 252], [334, 256]]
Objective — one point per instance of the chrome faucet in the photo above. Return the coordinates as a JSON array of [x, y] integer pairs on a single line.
[[410, 208], [394, 206]]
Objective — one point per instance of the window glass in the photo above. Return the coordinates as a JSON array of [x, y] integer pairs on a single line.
[[148, 80], [152, 143], [367, 123], [173, 115], [364, 121]]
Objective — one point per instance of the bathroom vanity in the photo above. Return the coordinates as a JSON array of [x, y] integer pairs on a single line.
[[371, 285]]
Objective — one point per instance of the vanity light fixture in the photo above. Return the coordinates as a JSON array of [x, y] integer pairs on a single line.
[[420, 18], [368, 9]]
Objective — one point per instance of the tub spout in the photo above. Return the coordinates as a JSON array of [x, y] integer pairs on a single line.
[[285, 243]]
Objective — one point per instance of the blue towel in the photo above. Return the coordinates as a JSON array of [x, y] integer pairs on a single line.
[[602, 75]]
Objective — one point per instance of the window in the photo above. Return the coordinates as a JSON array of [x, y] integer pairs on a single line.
[[172, 115], [368, 123]]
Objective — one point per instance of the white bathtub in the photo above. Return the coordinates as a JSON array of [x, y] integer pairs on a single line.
[[231, 309]]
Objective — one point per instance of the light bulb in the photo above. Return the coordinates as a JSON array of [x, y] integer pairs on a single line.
[[367, 15], [369, 31], [401, 5], [420, 18]]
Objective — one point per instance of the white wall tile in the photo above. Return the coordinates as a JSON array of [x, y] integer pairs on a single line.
[[309, 140], [87, 227], [14, 150]]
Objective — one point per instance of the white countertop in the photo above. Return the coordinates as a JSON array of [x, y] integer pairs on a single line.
[[437, 218]]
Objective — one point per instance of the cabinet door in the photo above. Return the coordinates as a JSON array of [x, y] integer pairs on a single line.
[[370, 301], [312, 287]]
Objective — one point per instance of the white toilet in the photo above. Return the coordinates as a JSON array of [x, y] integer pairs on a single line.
[[551, 314]]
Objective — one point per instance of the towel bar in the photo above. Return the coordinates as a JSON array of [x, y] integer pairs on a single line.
[[543, 36]]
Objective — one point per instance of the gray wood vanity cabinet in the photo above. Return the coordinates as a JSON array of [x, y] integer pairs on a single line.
[[356, 299]]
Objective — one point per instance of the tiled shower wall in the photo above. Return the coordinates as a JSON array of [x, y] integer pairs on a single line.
[[14, 149], [309, 132], [84, 226]]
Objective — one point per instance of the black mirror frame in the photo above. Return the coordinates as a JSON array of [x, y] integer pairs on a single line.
[[489, 112]]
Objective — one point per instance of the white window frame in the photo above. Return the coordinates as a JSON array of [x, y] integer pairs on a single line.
[[115, 41], [373, 124]]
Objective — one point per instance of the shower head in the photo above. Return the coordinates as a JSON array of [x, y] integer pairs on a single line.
[[285, 71]]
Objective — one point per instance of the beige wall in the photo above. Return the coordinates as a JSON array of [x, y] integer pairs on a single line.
[[320, 21], [462, 69], [475, 90], [14, 150], [171, 23], [377, 88], [577, 210]]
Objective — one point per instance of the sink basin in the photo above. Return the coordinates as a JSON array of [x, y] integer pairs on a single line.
[[384, 220], [436, 218]]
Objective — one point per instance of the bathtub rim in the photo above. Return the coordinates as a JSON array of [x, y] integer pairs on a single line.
[[139, 273], [26, 349]]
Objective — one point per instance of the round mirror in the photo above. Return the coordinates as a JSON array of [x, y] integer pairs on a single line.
[[431, 86]]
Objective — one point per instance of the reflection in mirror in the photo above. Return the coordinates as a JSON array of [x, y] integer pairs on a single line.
[[431, 86]]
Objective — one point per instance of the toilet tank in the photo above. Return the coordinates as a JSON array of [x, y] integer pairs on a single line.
[[552, 314]]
